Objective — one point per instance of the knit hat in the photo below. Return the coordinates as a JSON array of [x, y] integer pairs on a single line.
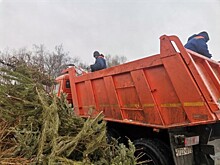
[[96, 53]]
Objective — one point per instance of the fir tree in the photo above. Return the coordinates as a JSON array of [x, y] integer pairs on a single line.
[[37, 127]]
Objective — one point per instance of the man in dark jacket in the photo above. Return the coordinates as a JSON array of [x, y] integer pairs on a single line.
[[100, 62], [198, 43]]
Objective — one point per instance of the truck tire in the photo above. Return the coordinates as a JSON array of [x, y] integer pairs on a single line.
[[112, 133], [152, 152]]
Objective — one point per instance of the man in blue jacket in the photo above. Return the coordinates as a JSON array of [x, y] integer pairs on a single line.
[[100, 62], [198, 43]]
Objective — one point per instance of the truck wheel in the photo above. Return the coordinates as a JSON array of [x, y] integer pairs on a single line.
[[112, 133], [152, 152]]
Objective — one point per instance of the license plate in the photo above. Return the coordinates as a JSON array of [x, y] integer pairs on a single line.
[[183, 151]]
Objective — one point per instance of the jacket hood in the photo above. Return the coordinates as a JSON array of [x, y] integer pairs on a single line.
[[194, 35], [205, 35]]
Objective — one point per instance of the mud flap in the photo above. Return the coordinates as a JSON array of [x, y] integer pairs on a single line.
[[202, 154]]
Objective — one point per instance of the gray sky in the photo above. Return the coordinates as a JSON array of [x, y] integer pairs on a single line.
[[118, 27]]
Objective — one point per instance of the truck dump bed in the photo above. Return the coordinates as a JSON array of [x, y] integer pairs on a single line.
[[177, 87]]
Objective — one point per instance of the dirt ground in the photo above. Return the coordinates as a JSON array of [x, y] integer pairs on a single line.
[[216, 143]]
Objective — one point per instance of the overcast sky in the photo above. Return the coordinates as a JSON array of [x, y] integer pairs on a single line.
[[128, 28]]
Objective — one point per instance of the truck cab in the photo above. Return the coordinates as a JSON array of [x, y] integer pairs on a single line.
[[63, 86]]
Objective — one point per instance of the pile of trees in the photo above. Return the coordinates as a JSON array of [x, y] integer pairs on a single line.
[[36, 127]]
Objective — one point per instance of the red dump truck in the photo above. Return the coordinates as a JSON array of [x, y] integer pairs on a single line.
[[167, 104]]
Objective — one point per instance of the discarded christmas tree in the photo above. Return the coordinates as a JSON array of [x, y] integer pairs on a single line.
[[37, 127]]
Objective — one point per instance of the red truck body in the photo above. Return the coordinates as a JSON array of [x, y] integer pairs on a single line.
[[175, 89]]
